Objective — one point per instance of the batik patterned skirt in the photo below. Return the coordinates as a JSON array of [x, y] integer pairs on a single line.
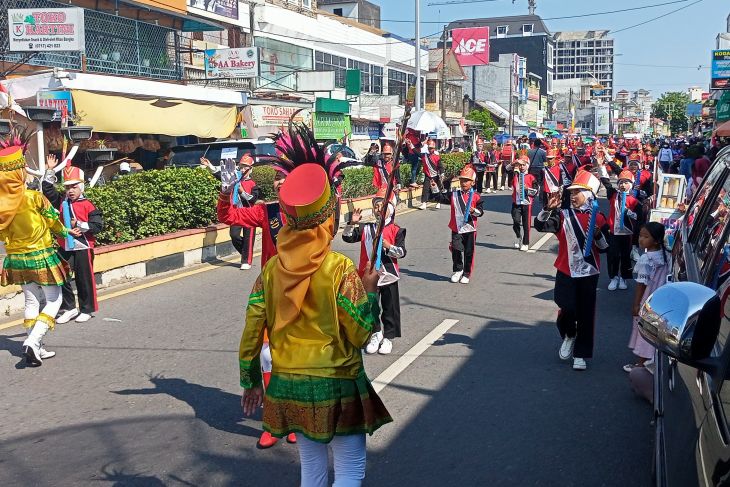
[[44, 267], [321, 407]]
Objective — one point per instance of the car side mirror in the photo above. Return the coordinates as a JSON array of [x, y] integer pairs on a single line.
[[682, 319]]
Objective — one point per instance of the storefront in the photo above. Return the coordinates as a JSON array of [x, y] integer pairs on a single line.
[[261, 119]]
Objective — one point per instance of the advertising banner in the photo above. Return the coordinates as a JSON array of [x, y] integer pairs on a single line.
[[242, 62], [226, 8], [46, 29], [601, 118], [720, 70], [471, 46], [275, 116], [331, 126], [55, 99]]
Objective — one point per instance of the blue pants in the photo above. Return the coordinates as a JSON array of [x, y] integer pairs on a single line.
[[685, 168]]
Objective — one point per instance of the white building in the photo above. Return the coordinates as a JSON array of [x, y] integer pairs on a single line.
[[586, 54]]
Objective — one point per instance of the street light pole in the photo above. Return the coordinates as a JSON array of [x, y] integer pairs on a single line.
[[418, 55]]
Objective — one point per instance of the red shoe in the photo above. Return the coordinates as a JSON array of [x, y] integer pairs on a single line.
[[266, 440], [291, 438]]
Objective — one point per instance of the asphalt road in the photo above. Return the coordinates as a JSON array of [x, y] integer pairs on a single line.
[[146, 394]]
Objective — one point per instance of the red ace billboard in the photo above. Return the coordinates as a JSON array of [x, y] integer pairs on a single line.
[[471, 46]]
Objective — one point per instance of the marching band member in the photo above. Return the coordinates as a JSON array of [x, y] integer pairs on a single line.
[[432, 170], [383, 167], [28, 222], [466, 207], [86, 222], [394, 248], [581, 237], [524, 189]]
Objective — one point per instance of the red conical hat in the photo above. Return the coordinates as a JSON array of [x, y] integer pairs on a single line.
[[626, 175], [72, 175], [585, 180], [468, 173]]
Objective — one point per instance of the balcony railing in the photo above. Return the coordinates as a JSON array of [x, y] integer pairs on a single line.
[[114, 45]]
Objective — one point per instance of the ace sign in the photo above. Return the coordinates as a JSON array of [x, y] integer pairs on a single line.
[[471, 46]]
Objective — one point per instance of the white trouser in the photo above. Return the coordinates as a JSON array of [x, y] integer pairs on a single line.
[[349, 461], [33, 293]]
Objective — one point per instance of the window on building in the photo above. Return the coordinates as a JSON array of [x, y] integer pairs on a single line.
[[527, 29], [501, 30], [338, 11], [307, 3], [279, 60], [365, 73], [330, 62], [397, 81], [377, 80]]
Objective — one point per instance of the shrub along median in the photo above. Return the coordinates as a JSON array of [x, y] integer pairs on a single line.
[[152, 203]]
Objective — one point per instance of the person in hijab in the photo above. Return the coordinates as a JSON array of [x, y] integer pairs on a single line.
[[28, 222], [318, 314]]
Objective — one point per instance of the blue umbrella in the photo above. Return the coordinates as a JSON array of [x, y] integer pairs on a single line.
[[502, 138]]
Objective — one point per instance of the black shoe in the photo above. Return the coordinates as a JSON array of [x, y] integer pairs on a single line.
[[30, 357]]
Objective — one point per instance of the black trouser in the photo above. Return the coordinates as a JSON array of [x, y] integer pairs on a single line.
[[480, 181], [491, 177], [509, 176], [539, 177], [619, 256], [82, 264], [462, 251], [390, 311], [426, 193], [243, 244], [521, 221], [576, 298]]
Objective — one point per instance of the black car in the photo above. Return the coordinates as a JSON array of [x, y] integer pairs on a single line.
[[688, 321], [189, 155]]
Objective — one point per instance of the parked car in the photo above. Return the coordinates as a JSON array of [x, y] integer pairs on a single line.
[[189, 155], [688, 320]]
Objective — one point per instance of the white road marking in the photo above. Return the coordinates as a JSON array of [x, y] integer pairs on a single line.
[[540, 243], [387, 376]]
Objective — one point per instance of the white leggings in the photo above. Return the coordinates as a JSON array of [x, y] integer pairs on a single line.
[[34, 292], [349, 460]]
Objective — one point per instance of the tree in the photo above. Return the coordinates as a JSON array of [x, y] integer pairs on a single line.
[[672, 107], [489, 126]]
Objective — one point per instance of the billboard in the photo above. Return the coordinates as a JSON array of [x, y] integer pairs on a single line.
[[277, 116], [226, 8], [601, 118], [471, 46], [720, 70], [242, 62], [56, 99], [46, 29]]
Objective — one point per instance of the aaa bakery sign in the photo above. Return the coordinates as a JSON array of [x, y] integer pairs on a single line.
[[46, 29], [471, 46], [240, 62]]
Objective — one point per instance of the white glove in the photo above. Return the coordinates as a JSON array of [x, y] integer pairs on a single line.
[[631, 214]]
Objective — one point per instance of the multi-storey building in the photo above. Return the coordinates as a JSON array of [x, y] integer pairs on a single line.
[[367, 13], [586, 54]]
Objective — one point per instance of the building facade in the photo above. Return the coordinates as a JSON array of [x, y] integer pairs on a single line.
[[366, 13], [586, 54]]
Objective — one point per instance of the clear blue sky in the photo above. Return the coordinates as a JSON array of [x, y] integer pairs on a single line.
[[684, 38]]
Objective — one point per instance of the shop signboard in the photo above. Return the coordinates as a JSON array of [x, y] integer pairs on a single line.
[[550, 124], [55, 99], [331, 126], [225, 8], [370, 130], [694, 110], [241, 62], [46, 29], [390, 131], [720, 70], [471, 46], [601, 118], [276, 116], [723, 107]]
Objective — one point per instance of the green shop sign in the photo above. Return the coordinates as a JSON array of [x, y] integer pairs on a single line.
[[723, 107], [329, 126]]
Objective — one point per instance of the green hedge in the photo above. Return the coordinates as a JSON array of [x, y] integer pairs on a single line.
[[151, 203]]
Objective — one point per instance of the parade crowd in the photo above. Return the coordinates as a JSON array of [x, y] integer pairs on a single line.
[[312, 311]]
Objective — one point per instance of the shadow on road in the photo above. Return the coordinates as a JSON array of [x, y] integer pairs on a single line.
[[427, 276], [13, 346], [121, 479], [216, 408]]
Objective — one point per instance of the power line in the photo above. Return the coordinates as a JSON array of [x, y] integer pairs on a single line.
[[655, 18]]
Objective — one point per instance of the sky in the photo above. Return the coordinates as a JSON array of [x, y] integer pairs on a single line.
[[684, 38]]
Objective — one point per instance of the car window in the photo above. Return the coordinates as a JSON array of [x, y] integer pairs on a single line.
[[710, 236], [187, 156], [696, 206]]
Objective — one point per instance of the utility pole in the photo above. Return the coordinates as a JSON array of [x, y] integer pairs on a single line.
[[442, 95], [418, 55], [251, 27], [570, 111], [511, 82]]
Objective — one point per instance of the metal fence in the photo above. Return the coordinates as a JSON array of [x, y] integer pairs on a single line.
[[114, 45]]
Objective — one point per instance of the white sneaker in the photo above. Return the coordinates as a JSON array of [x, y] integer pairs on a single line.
[[524, 248], [566, 349], [83, 318], [374, 343], [386, 346], [613, 284], [245, 266], [622, 283], [517, 243], [422, 207], [489, 190], [46, 354], [457, 276], [438, 206], [464, 280], [501, 188], [579, 364], [67, 316]]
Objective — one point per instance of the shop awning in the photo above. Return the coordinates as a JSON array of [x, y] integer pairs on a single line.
[[144, 115], [723, 130]]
